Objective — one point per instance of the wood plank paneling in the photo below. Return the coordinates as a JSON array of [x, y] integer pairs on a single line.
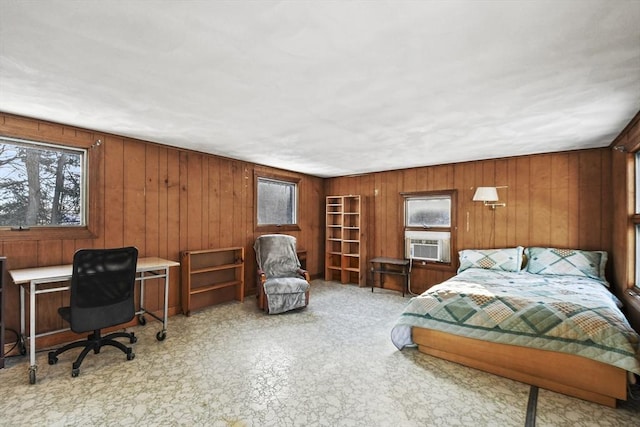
[[540, 196], [134, 207], [226, 204], [166, 200], [114, 215], [214, 205], [195, 199], [173, 223], [552, 199], [622, 186], [161, 200], [501, 173], [163, 197], [559, 200]]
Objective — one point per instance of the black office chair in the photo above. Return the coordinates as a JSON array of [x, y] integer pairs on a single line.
[[102, 295]]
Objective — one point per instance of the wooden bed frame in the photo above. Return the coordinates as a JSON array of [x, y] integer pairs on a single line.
[[564, 373]]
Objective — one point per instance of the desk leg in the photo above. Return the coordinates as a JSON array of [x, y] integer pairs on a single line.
[[161, 335], [405, 285], [32, 333], [373, 278], [23, 323], [141, 318], [165, 316]]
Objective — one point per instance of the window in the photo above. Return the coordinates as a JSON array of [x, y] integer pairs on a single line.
[[636, 217], [428, 211], [428, 230], [41, 185], [277, 203]]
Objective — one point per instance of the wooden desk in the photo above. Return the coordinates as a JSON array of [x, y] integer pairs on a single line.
[[383, 265], [30, 278]]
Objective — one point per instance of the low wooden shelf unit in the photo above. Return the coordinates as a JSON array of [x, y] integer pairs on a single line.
[[211, 276]]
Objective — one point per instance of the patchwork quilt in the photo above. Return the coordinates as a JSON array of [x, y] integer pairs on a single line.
[[561, 313]]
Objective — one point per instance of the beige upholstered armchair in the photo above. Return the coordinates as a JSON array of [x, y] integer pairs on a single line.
[[282, 284]]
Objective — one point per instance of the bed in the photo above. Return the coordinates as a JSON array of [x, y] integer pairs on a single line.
[[554, 323]]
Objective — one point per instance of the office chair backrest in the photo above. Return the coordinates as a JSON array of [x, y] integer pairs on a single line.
[[276, 255], [102, 288]]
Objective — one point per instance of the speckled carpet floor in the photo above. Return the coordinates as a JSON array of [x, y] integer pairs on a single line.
[[331, 364]]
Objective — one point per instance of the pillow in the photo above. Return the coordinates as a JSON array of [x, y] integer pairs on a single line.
[[570, 262], [505, 259]]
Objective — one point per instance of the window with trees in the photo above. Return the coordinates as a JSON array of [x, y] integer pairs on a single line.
[[276, 203], [41, 185]]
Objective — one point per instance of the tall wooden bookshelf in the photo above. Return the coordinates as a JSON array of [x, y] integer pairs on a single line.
[[344, 261]]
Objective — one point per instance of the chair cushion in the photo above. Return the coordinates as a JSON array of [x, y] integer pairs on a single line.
[[279, 303], [285, 285]]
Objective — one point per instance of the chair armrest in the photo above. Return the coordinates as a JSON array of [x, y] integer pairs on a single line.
[[305, 274], [262, 277]]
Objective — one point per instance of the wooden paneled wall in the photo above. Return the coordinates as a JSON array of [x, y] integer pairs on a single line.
[[560, 199], [163, 201], [623, 199]]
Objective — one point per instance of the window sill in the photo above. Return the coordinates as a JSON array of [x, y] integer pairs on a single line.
[[47, 233], [432, 265], [631, 301], [277, 228], [632, 296]]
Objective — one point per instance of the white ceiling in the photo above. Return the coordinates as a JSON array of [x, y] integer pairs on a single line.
[[329, 88]]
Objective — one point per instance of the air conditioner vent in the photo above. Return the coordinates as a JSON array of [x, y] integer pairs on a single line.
[[427, 246]]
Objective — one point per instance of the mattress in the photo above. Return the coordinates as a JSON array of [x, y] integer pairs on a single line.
[[562, 313]]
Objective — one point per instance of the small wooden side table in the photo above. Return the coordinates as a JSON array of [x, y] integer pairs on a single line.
[[384, 265]]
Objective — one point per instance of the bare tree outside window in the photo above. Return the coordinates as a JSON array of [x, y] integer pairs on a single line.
[[40, 184]]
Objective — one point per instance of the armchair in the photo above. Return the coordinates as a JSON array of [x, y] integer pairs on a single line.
[[282, 284], [102, 296]]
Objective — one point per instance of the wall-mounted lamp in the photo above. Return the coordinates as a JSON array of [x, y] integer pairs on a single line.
[[487, 195]]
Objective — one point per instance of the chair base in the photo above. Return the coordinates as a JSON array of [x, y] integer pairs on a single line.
[[95, 342], [263, 301]]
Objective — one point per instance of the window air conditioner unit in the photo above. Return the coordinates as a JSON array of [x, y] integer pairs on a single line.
[[427, 246]]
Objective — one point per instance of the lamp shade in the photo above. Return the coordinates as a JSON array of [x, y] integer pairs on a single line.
[[486, 194]]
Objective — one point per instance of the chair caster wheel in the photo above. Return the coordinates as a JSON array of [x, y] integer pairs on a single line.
[[133, 339], [75, 372], [52, 358], [142, 320], [160, 336], [131, 356]]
